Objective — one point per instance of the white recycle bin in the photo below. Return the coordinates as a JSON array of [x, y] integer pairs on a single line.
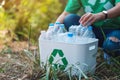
[[82, 52]]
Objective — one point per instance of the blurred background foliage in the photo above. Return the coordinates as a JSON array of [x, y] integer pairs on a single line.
[[21, 19]]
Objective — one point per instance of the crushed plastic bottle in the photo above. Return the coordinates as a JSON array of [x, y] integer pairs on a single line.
[[61, 37], [89, 33], [78, 30], [73, 29], [82, 31], [57, 32]]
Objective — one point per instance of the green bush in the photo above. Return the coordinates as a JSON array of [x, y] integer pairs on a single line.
[[28, 17]]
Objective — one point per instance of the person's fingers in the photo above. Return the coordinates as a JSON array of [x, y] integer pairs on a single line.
[[85, 18], [81, 19], [89, 21]]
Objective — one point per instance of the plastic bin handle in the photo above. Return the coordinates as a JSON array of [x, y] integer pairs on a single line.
[[92, 47]]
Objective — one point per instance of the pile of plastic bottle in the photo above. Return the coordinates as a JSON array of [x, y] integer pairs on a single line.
[[57, 32]]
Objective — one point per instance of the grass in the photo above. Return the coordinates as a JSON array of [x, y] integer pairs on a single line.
[[27, 63], [103, 71]]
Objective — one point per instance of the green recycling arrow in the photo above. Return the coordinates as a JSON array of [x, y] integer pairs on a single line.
[[63, 59]]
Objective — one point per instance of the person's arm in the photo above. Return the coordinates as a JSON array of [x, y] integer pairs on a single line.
[[115, 11], [62, 17], [89, 18]]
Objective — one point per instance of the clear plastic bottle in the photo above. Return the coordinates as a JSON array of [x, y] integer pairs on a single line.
[[82, 31], [56, 27], [61, 37], [78, 30], [73, 29], [51, 27], [42, 35], [61, 33], [64, 27], [61, 29], [89, 33], [49, 32], [69, 38]]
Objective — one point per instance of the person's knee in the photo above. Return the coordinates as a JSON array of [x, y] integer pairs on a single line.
[[111, 46], [112, 41], [71, 19]]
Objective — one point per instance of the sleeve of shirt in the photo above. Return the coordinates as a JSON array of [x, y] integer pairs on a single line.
[[117, 1], [72, 6]]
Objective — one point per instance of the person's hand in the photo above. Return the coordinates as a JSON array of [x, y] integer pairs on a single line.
[[89, 18]]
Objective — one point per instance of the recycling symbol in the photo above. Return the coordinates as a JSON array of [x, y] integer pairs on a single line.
[[62, 59]]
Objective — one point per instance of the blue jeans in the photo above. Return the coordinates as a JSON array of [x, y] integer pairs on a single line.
[[108, 45]]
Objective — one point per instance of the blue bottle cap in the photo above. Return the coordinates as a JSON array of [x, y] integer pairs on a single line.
[[51, 24], [57, 23], [90, 28], [70, 34]]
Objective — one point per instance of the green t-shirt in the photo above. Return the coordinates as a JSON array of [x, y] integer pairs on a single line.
[[95, 6]]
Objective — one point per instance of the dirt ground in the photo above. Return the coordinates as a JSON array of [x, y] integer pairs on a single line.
[[13, 64]]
